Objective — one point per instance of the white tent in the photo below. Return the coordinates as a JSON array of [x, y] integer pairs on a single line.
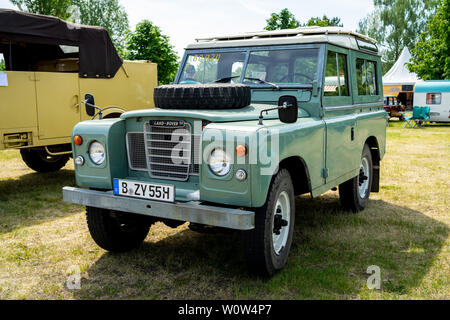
[[399, 73]]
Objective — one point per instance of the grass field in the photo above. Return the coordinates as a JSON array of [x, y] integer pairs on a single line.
[[405, 231]]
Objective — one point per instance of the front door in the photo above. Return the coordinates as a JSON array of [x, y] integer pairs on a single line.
[[57, 103], [339, 118]]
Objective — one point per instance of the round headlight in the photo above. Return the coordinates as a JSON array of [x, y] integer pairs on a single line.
[[219, 162], [97, 152]]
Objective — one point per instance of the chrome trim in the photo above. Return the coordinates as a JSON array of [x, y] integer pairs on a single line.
[[354, 106], [153, 173]]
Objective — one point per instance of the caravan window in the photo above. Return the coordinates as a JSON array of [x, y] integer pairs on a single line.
[[433, 98]]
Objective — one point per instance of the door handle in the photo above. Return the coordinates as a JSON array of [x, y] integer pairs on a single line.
[[77, 104]]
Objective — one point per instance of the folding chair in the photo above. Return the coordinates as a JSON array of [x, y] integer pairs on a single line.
[[411, 120], [424, 115]]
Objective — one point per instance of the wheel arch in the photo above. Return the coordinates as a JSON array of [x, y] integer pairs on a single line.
[[372, 142], [297, 168]]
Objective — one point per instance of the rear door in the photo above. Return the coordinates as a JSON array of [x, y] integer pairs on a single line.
[[58, 105], [17, 101]]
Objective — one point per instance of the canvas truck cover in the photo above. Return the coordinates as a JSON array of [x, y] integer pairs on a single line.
[[98, 57]]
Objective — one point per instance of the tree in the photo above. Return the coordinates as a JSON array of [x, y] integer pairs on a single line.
[[431, 56], [324, 22], [108, 14], [283, 20], [57, 8], [148, 43], [396, 24]]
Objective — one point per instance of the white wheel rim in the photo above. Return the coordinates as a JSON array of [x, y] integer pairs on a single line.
[[364, 185], [283, 208]]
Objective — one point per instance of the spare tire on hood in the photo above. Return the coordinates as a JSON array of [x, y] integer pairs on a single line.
[[202, 96]]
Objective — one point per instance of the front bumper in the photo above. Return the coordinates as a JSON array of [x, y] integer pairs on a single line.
[[192, 211]]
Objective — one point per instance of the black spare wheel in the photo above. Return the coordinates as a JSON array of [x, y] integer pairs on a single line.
[[202, 96]]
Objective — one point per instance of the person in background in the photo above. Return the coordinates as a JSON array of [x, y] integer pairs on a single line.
[[189, 75]]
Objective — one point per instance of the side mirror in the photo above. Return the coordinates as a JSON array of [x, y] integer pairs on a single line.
[[90, 103], [288, 111]]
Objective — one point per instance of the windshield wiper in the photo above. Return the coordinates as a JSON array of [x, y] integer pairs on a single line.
[[263, 81], [226, 79]]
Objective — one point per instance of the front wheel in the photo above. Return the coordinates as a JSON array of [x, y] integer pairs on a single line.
[[354, 193], [116, 231], [39, 160], [266, 247]]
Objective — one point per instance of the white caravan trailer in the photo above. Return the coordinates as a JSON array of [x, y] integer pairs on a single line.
[[436, 95]]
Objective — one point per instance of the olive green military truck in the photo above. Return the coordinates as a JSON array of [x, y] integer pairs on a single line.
[[49, 66], [252, 121]]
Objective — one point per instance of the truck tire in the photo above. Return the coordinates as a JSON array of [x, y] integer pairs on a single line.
[[202, 96], [116, 234], [39, 160], [354, 193], [266, 247]]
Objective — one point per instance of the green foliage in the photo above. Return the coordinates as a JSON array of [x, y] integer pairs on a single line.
[[283, 20], [2, 64], [396, 24], [324, 22], [431, 56], [57, 8], [286, 20], [148, 43], [108, 14]]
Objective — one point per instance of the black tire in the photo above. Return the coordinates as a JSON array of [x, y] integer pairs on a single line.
[[39, 160], [259, 252], [202, 96], [116, 232], [349, 191]]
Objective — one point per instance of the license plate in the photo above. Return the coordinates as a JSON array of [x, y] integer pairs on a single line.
[[144, 190]]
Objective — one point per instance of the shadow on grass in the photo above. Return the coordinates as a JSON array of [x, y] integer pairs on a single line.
[[329, 257], [33, 198]]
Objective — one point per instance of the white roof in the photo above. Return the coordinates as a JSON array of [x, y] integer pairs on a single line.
[[315, 34], [399, 73]]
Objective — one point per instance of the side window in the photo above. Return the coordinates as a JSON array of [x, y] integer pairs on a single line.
[[336, 75], [366, 76], [433, 98]]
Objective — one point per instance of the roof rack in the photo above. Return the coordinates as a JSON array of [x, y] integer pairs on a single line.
[[301, 31]]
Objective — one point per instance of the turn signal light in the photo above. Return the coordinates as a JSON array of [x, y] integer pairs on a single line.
[[241, 150], [77, 140]]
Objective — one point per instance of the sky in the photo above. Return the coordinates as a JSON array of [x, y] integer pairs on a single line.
[[185, 20]]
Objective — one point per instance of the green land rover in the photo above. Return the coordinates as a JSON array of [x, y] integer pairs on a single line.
[[251, 121]]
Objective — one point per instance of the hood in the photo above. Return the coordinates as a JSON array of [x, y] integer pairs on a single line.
[[251, 112]]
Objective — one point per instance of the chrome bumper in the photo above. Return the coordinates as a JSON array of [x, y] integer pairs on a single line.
[[191, 211]]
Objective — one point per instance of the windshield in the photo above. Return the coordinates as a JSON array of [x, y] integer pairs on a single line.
[[286, 66]]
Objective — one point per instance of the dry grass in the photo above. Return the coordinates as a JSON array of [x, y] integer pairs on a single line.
[[405, 231]]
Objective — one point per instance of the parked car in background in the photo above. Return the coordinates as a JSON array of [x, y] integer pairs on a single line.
[[436, 95], [393, 107], [50, 65], [252, 121]]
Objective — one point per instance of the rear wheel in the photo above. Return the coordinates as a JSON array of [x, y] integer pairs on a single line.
[[39, 160], [354, 193], [266, 247], [116, 231]]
